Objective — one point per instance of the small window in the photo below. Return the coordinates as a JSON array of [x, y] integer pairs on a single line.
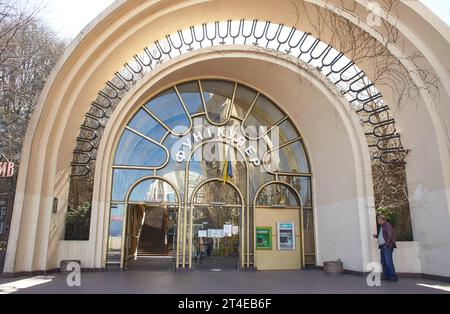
[[277, 195], [135, 150], [153, 191]]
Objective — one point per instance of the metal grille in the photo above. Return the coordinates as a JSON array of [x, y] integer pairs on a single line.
[[362, 95]]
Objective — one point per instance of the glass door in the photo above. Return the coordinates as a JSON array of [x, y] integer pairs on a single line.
[[216, 238]]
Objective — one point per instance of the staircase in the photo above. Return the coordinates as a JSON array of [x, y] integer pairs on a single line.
[[152, 242]]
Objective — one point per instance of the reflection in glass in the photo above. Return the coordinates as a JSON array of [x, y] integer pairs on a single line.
[[168, 108], [288, 159], [302, 186], [218, 96], [134, 150], [153, 191], [190, 94], [277, 195], [258, 178], [263, 116], [217, 193], [115, 233], [123, 180], [216, 238], [145, 124], [174, 171], [243, 100], [213, 168], [285, 132], [306, 191], [308, 234]]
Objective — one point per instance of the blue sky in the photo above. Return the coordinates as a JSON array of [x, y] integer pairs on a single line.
[[69, 17]]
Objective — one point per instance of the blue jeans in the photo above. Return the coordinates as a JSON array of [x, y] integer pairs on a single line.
[[387, 262]]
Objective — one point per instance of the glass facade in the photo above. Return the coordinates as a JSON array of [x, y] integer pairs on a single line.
[[209, 149]]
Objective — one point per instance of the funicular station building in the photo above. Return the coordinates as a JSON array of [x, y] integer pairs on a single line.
[[236, 135]]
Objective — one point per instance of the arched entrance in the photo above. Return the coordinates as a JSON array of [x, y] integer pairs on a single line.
[[143, 232], [213, 144], [217, 224], [335, 139], [278, 207]]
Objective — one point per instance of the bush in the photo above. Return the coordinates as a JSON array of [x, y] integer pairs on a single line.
[[78, 223], [390, 214]]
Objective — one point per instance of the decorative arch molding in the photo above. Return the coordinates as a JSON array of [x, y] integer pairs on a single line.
[[351, 81]]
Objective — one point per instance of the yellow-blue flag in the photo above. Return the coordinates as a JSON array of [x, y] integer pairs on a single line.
[[227, 168]]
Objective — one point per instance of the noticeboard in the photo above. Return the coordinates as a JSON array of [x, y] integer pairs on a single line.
[[264, 238]]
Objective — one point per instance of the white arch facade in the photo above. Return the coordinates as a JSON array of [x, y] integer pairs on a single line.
[[128, 26]]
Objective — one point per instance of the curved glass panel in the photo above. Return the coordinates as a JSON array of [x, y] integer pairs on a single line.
[[174, 171], [277, 195], [123, 180], [168, 108], [303, 186], [285, 132], [153, 191], [288, 159], [212, 165], [263, 116], [243, 100], [190, 94], [306, 192], [145, 124], [134, 150], [218, 97], [257, 179], [217, 193]]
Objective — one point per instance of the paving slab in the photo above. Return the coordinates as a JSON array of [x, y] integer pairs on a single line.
[[226, 282]]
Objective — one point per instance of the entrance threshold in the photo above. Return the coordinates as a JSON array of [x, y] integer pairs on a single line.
[[156, 257], [152, 263]]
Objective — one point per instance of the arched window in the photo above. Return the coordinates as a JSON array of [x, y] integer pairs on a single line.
[[153, 191], [277, 195], [229, 137]]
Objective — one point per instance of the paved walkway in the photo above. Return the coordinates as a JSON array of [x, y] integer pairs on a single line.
[[294, 282]]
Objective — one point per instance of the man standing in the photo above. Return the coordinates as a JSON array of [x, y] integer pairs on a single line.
[[387, 244]]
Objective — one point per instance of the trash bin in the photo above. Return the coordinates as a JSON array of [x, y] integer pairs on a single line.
[[333, 268]]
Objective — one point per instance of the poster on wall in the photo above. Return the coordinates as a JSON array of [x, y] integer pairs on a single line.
[[286, 236], [264, 238], [202, 233], [228, 230], [215, 233]]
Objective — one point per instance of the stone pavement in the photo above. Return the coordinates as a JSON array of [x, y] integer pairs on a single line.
[[269, 282]]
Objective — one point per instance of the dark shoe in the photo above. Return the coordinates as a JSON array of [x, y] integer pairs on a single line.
[[384, 278], [393, 279]]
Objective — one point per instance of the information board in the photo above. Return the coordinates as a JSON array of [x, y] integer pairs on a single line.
[[264, 238]]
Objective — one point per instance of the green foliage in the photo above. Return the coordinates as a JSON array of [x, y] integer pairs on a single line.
[[78, 222], [3, 245], [389, 213]]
